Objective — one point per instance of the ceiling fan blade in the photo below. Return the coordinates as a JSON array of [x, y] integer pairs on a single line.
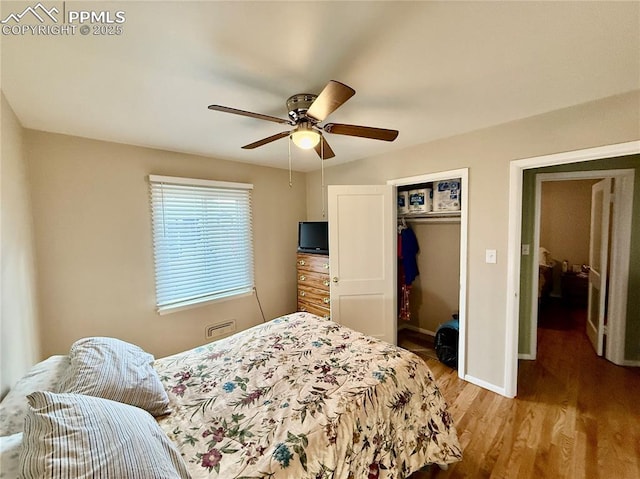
[[325, 152], [264, 141], [361, 131], [250, 114], [329, 100]]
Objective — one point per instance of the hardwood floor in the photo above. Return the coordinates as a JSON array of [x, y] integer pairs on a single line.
[[576, 416]]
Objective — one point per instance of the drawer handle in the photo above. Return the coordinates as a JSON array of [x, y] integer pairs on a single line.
[[303, 309], [302, 293], [302, 277], [325, 300], [326, 282], [325, 265], [301, 262]]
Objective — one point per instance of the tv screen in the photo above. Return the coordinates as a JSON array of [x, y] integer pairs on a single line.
[[313, 237]]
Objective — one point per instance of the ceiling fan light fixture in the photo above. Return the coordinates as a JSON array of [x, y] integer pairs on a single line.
[[306, 112], [305, 138]]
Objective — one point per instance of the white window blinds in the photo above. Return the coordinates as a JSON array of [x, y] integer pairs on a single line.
[[202, 240]]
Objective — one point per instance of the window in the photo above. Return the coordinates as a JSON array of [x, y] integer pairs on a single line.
[[202, 240]]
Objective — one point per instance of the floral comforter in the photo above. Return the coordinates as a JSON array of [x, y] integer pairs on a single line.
[[303, 397]]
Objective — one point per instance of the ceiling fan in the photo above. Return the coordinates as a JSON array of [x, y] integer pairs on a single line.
[[306, 112]]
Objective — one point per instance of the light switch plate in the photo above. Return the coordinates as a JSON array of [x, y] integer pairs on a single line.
[[490, 256], [525, 250]]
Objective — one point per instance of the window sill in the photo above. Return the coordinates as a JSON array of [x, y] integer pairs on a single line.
[[201, 302]]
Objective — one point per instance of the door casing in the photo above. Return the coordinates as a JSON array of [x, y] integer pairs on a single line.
[[516, 170]]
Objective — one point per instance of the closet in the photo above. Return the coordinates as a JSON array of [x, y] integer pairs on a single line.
[[364, 255], [432, 209]]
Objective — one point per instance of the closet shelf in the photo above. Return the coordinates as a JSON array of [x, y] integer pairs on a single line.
[[432, 217]]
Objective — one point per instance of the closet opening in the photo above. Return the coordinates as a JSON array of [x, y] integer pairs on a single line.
[[431, 282]]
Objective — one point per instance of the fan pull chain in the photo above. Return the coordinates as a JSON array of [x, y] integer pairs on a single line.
[[289, 145], [322, 174]]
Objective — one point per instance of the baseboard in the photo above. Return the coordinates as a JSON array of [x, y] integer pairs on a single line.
[[527, 356], [416, 329], [486, 385], [633, 364]]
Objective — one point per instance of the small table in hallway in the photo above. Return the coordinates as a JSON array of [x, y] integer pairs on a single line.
[[575, 289]]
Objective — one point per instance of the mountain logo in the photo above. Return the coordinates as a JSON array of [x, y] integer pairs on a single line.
[[39, 11]]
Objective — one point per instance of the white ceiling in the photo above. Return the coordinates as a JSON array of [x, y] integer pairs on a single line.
[[427, 69]]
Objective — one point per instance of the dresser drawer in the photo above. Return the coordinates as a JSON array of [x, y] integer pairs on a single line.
[[313, 309], [313, 295], [313, 262], [313, 280]]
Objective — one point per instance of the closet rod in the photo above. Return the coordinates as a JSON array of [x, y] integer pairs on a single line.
[[440, 219]]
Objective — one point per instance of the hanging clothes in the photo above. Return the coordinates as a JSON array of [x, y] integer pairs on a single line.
[[407, 268], [410, 251]]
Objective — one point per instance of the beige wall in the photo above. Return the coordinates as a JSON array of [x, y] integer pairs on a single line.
[[18, 312], [94, 244], [487, 154], [565, 219]]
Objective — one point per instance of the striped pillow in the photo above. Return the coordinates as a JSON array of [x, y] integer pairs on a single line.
[[116, 370], [75, 436]]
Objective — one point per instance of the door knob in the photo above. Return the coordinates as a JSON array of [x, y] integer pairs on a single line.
[[335, 279]]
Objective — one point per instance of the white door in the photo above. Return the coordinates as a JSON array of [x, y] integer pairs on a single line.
[[362, 260], [598, 261]]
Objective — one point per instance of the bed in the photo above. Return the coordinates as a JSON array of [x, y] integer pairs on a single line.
[[300, 397]]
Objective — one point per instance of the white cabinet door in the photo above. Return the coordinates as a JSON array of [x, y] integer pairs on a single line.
[[598, 262], [363, 258]]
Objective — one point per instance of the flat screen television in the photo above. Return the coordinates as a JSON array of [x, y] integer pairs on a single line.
[[313, 237]]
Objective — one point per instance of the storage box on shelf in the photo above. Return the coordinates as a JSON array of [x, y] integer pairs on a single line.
[[439, 200], [420, 200], [446, 195]]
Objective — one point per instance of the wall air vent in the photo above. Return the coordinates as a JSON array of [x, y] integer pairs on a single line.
[[220, 329]]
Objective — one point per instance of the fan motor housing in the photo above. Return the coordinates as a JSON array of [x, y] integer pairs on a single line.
[[298, 104]]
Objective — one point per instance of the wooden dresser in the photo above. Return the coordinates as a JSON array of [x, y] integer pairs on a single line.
[[313, 284]]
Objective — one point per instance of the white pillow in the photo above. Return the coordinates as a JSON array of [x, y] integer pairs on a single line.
[[10, 455], [76, 436], [44, 376], [116, 370]]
